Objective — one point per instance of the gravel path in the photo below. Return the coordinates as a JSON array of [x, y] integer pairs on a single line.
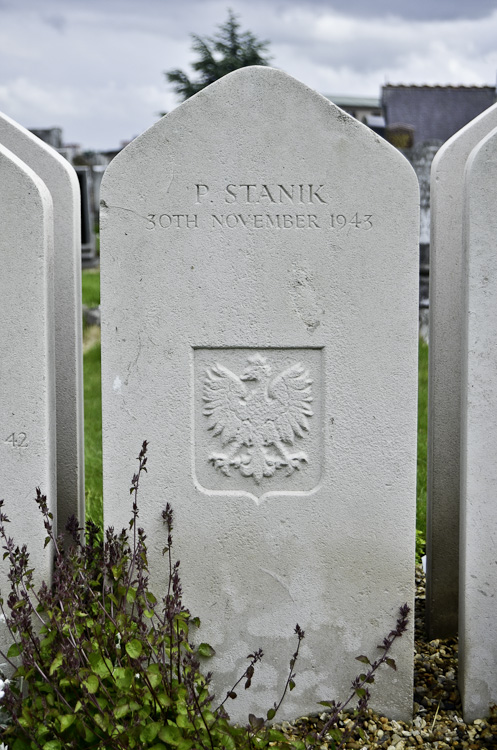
[[437, 714]]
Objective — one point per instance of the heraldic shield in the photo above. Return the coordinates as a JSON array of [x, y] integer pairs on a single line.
[[258, 420]]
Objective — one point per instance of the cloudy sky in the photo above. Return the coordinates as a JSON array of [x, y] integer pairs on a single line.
[[96, 67]]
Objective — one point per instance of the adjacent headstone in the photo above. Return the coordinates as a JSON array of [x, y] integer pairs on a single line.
[[478, 579], [61, 180], [259, 293], [446, 323], [89, 257], [27, 377]]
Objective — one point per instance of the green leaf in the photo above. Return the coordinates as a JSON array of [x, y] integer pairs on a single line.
[[184, 722], [291, 684], [153, 675], [52, 745], [123, 677], [185, 744], [150, 731], [56, 663], [14, 650], [271, 714], [205, 650], [101, 666], [363, 659], [134, 648], [275, 736], [164, 700], [170, 734], [65, 721], [360, 692], [256, 722], [92, 683], [21, 745], [121, 710], [391, 663]]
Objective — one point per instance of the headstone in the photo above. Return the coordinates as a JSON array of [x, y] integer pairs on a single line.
[[27, 378], [446, 323], [259, 296], [61, 180], [478, 577], [88, 251]]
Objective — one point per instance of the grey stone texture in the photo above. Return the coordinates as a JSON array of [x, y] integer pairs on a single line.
[[259, 282], [478, 600], [62, 182], [446, 323], [27, 377]]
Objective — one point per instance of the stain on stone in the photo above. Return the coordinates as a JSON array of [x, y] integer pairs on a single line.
[[306, 298]]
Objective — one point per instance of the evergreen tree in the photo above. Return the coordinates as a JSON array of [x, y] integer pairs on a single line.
[[228, 50]]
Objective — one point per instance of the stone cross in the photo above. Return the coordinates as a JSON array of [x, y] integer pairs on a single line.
[[259, 306]]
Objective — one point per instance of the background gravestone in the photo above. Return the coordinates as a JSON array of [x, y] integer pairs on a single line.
[[478, 606], [27, 378], [446, 324], [259, 294], [62, 182]]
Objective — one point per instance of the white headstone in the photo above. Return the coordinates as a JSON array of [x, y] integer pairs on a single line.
[[260, 245], [478, 574], [62, 182], [27, 377], [446, 324]]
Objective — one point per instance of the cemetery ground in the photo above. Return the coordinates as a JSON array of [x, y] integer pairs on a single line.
[[437, 717]]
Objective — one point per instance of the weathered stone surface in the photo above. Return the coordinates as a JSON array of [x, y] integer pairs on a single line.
[[62, 182], [445, 374], [478, 600], [259, 233], [27, 378]]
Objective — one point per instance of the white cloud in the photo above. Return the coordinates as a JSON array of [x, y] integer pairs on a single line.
[[95, 68]]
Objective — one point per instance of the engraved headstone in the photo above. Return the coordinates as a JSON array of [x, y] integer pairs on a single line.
[[478, 573], [27, 378], [446, 323], [255, 351], [62, 182]]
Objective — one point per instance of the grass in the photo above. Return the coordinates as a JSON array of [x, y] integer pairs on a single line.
[[93, 433], [91, 287], [422, 437]]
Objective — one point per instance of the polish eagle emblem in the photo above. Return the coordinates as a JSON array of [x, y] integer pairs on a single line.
[[257, 417]]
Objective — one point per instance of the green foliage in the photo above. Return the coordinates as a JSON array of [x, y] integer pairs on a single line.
[[93, 434], [422, 437], [91, 287], [420, 546], [227, 51], [103, 663], [100, 662]]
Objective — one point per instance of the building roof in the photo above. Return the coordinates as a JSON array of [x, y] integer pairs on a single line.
[[434, 112], [367, 102]]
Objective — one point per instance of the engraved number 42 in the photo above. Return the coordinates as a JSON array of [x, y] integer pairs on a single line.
[[17, 440]]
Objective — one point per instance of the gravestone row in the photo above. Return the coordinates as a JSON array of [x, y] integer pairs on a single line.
[[267, 351]]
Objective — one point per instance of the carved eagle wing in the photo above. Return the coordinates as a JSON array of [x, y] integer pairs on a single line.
[[290, 396], [224, 403]]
